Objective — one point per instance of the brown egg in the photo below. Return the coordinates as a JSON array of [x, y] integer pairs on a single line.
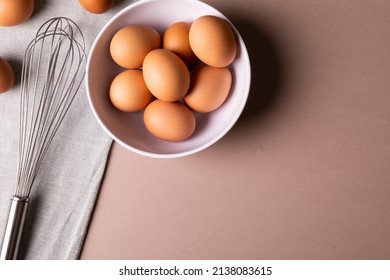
[[97, 6], [213, 41], [210, 87], [166, 75], [171, 121], [132, 43], [128, 91], [176, 39], [6, 76], [14, 12]]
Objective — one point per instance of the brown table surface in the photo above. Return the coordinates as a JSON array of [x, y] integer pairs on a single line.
[[304, 174]]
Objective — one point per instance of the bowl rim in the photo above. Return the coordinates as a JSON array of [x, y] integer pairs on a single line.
[[233, 120]]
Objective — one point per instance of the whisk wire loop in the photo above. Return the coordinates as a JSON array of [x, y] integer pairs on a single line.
[[52, 73]]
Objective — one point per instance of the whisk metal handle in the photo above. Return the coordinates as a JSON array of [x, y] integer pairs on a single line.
[[14, 228]]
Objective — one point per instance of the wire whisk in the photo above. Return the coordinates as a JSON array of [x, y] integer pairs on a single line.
[[52, 73]]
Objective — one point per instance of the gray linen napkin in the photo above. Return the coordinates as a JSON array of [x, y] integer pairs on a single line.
[[64, 193]]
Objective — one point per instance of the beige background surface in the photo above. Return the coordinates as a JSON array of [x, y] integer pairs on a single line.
[[304, 174]]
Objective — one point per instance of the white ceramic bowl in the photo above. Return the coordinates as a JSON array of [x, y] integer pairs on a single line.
[[128, 129]]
